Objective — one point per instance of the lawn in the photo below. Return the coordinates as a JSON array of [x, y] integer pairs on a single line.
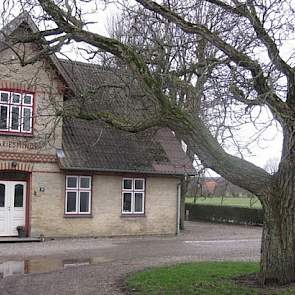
[[237, 202], [204, 278]]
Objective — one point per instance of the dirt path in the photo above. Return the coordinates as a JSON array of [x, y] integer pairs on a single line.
[[112, 259]]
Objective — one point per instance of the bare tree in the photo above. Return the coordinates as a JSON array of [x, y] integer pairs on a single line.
[[248, 80], [272, 165]]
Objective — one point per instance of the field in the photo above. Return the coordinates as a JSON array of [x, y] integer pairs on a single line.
[[237, 202]]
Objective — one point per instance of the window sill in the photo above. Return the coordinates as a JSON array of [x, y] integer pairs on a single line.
[[18, 134], [78, 216], [132, 215]]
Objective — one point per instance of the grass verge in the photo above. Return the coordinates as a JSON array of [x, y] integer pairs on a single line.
[[204, 278]]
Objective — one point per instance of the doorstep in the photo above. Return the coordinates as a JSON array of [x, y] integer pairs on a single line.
[[18, 240]]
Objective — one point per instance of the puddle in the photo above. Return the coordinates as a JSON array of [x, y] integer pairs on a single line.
[[18, 267]]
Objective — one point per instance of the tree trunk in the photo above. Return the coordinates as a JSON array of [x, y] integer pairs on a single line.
[[277, 194], [278, 238], [278, 247]]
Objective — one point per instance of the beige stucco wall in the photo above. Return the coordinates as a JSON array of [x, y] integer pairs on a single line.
[[40, 78], [47, 209]]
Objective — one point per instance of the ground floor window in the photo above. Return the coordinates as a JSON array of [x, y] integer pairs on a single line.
[[78, 194], [133, 193]]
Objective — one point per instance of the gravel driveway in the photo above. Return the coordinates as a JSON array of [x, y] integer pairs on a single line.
[[104, 262]]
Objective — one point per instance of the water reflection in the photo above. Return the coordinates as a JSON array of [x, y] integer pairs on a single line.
[[10, 268]]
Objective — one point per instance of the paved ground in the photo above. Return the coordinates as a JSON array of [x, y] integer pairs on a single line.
[[114, 258]]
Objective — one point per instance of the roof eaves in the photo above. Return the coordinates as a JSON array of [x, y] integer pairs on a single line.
[[171, 173]]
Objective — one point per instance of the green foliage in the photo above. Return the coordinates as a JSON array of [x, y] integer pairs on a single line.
[[204, 278], [226, 214], [226, 201]]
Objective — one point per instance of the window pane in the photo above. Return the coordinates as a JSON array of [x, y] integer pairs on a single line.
[[84, 182], [127, 184], [138, 184], [15, 118], [127, 202], [4, 96], [26, 119], [19, 195], [71, 201], [3, 117], [2, 195], [138, 202], [72, 182], [28, 99], [16, 98], [84, 201]]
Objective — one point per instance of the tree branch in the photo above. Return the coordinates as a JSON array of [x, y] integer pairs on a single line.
[[199, 139], [265, 93], [190, 128], [120, 123], [239, 10]]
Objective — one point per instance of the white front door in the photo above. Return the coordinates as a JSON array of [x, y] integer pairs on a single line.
[[12, 206]]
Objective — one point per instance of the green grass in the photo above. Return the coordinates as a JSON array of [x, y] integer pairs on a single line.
[[204, 278], [237, 202]]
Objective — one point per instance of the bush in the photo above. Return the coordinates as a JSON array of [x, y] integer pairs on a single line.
[[225, 214]]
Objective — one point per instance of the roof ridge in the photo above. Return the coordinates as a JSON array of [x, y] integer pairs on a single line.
[[75, 61], [85, 64]]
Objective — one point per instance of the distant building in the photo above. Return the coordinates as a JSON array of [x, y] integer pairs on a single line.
[[215, 186]]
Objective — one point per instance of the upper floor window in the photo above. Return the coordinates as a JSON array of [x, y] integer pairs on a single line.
[[16, 112]]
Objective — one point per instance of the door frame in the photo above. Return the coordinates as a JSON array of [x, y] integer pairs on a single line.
[[28, 181]]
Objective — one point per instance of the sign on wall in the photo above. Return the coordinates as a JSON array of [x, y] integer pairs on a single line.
[[10, 144]]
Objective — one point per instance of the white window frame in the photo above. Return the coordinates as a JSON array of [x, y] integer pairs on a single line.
[[78, 190], [18, 130], [21, 107], [23, 119], [133, 191]]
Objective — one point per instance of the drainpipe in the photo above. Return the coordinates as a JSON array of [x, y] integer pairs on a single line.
[[178, 208]]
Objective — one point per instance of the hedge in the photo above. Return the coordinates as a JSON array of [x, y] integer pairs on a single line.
[[227, 214]]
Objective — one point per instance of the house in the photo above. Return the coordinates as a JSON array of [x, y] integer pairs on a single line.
[[215, 187], [61, 176]]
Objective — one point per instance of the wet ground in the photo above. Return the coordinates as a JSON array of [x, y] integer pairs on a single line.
[[97, 266], [43, 265]]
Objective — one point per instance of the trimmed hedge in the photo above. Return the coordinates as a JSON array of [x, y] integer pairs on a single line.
[[227, 214]]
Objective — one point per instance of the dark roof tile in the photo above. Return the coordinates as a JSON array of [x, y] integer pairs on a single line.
[[93, 145]]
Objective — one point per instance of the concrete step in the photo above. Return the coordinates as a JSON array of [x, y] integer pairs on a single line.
[[18, 240]]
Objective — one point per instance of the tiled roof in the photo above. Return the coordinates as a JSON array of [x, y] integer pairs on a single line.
[[115, 90], [93, 145]]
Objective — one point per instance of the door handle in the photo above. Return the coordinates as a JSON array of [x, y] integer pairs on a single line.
[[9, 208]]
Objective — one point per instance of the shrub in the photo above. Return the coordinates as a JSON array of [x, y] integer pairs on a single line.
[[225, 214]]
